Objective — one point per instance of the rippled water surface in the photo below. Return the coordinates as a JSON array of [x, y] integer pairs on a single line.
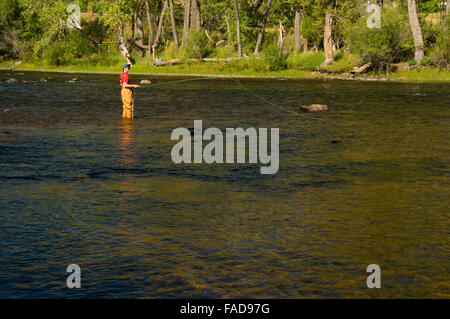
[[365, 183]]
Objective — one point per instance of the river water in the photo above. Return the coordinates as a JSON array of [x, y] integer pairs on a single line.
[[365, 183]]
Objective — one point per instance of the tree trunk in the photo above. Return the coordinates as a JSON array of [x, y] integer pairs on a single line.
[[281, 36], [174, 25], [122, 44], [448, 7], [160, 22], [150, 28], [298, 29], [263, 27], [305, 45], [416, 31], [238, 28], [133, 22], [140, 29], [187, 13], [327, 40], [195, 15]]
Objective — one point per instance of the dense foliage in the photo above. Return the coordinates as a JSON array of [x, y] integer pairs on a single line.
[[37, 31]]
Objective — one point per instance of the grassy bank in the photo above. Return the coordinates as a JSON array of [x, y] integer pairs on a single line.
[[303, 66]]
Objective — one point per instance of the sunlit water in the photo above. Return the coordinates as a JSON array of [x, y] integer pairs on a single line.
[[365, 183]]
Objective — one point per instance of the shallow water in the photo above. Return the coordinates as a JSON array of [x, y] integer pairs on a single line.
[[365, 183]]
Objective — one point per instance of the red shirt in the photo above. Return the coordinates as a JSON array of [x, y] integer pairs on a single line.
[[124, 78]]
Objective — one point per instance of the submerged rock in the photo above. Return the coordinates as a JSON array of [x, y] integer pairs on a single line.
[[314, 108], [11, 80], [145, 82], [43, 80]]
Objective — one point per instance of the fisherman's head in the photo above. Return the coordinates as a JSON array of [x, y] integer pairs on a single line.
[[126, 67]]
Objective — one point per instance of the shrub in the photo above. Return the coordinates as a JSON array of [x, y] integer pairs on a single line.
[[412, 62], [388, 44], [104, 59], [308, 60], [274, 58], [312, 29], [426, 62], [440, 52], [197, 45], [344, 62], [225, 51], [55, 54], [77, 46]]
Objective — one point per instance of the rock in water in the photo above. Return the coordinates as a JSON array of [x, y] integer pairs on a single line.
[[43, 80], [145, 82], [11, 80], [314, 108]]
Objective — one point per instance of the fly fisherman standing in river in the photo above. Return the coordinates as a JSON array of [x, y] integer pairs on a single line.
[[127, 91]]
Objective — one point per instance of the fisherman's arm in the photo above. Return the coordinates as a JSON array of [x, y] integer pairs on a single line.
[[130, 86]]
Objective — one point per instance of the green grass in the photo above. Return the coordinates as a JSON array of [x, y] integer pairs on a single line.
[[426, 73], [344, 63], [299, 66], [307, 61]]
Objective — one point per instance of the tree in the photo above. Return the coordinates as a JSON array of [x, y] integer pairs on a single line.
[[263, 27], [416, 31], [238, 28], [150, 28], [140, 28], [298, 28], [174, 25], [160, 22], [187, 13], [327, 40], [195, 15]]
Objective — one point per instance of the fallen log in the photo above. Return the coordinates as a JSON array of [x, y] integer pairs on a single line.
[[361, 69], [161, 62]]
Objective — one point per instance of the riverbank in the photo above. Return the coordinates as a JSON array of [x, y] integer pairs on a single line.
[[227, 69]]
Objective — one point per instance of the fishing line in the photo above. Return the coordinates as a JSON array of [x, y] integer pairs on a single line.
[[265, 100], [184, 80], [243, 87]]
